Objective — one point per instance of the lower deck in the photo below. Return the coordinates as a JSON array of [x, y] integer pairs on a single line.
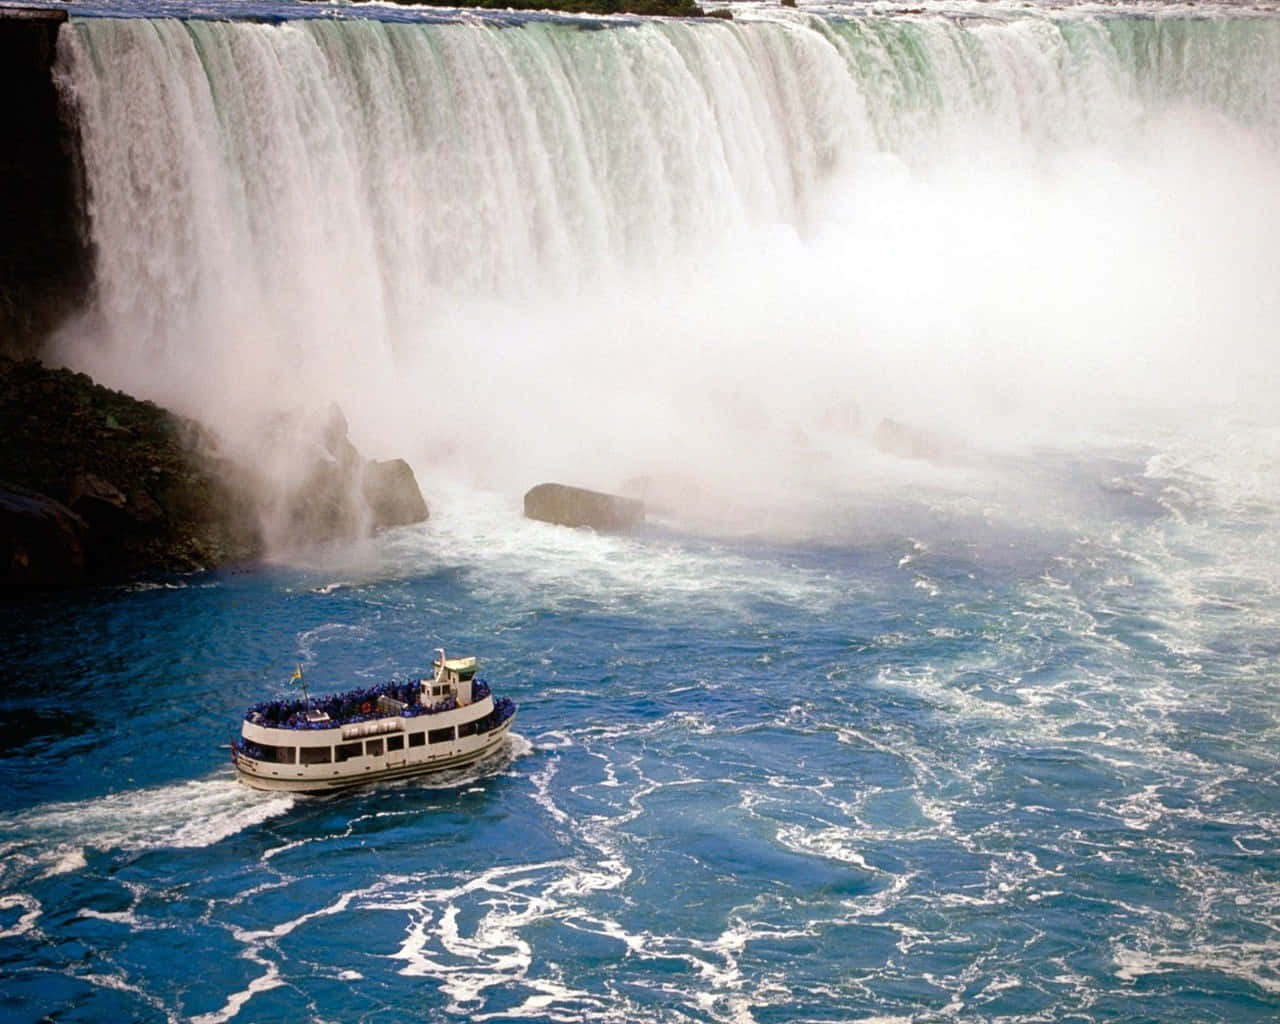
[[313, 767]]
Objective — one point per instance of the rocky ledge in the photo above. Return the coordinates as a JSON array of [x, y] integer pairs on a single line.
[[99, 487]]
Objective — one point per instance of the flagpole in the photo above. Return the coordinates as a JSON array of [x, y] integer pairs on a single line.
[[298, 677]]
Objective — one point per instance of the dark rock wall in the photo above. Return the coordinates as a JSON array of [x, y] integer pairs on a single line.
[[45, 266], [98, 487]]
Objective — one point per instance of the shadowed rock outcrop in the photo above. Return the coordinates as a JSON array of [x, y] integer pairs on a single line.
[[41, 540], [392, 494], [576, 506], [44, 259], [99, 487]]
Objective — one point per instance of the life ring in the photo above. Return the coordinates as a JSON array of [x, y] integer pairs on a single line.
[[365, 708]]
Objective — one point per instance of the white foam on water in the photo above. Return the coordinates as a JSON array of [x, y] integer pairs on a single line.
[[186, 815], [493, 954], [26, 921], [518, 561], [832, 842], [237, 1000], [1253, 963]]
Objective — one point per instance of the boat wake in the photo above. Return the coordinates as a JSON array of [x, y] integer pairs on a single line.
[[56, 838]]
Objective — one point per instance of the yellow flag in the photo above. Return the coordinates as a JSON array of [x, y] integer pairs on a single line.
[[297, 674]]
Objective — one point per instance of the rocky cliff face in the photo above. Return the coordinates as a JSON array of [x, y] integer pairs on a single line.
[[98, 487], [45, 267]]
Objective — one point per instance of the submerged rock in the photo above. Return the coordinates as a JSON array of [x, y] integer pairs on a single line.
[[576, 506]]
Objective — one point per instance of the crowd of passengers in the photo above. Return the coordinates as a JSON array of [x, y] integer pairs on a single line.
[[359, 705]]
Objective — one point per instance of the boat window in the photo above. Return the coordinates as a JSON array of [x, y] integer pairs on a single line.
[[280, 755], [440, 735], [316, 755], [469, 728], [395, 743], [343, 751], [417, 739], [373, 748]]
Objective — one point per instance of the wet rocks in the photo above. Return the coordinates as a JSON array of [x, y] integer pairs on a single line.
[[41, 540], [577, 506], [99, 487], [392, 494]]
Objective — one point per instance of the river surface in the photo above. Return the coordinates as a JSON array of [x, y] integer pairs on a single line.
[[944, 762], [942, 682]]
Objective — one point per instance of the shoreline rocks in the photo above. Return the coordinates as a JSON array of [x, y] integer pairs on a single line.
[[97, 487]]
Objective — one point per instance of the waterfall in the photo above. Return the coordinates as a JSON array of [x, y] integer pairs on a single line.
[[520, 248]]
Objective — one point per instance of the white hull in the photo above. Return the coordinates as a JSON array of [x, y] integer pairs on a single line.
[[394, 731], [363, 769]]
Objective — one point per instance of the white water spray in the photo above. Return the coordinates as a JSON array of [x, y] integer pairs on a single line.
[[520, 253]]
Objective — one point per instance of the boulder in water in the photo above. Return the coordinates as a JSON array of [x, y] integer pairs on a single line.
[[391, 492], [577, 506], [324, 489]]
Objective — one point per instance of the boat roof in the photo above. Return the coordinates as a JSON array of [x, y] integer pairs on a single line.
[[458, 664]]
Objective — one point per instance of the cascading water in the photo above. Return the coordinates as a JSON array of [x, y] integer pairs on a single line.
[[520, 248]]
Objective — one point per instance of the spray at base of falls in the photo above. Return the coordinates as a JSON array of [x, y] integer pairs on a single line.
[[514, 253]]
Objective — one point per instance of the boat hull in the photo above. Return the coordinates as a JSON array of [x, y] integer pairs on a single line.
[[326, 778]]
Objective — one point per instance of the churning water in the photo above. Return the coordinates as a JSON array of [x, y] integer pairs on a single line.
[[840, 734]]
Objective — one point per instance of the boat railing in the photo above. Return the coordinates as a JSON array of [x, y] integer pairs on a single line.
[[359, 705]]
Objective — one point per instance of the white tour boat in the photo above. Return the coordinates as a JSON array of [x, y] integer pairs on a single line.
[[390, 731]]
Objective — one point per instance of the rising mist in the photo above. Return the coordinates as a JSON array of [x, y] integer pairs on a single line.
[[676, 253]]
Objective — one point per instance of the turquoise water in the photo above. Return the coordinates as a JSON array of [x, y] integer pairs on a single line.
[[843, 733], [993, 768]]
